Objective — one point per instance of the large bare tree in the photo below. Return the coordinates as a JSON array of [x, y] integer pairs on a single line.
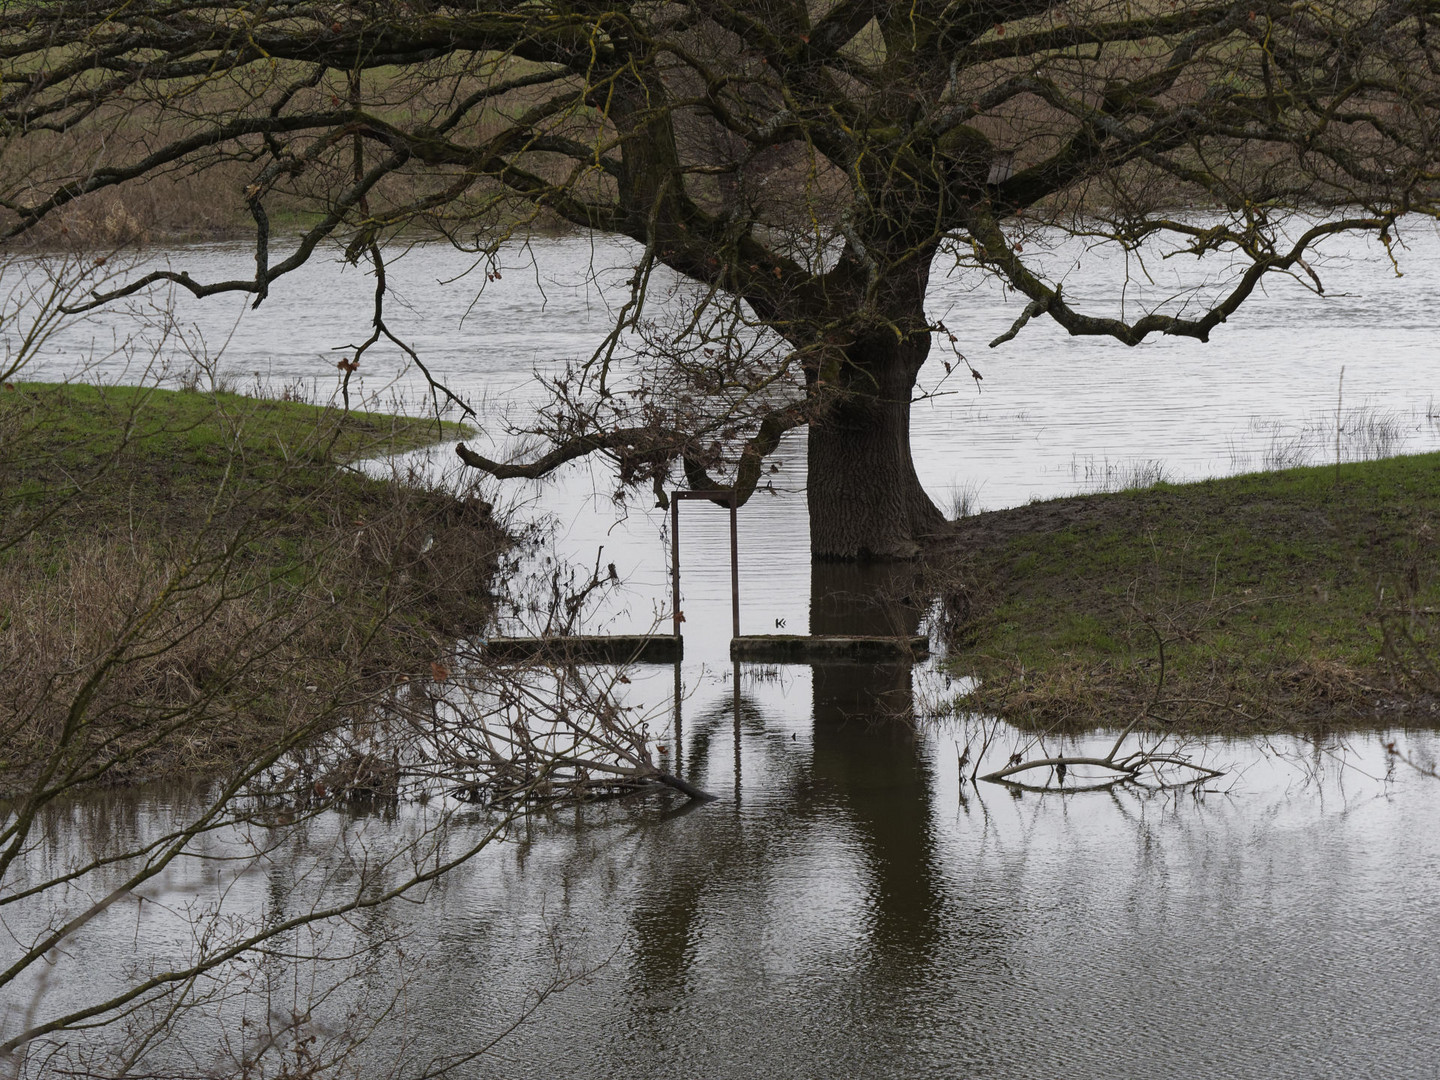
[[803, 164]]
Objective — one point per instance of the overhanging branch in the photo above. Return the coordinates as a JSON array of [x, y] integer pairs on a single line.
[[1049, 300], [571, 450]]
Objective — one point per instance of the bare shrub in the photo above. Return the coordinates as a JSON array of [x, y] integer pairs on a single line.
[[274, 635]]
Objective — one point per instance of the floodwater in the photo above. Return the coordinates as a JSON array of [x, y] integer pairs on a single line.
[[847, 907]]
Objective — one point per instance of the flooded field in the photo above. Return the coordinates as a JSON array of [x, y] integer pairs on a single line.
[[849, 907]]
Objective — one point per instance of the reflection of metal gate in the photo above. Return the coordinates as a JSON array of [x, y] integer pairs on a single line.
[[717, 496]]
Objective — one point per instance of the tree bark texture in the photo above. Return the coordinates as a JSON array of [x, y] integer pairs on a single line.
[[864, 497]]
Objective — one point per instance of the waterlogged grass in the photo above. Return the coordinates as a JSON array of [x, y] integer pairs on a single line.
[[1273, 599]]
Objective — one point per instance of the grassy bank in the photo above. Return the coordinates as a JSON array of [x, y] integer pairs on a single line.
[[161, 456], [189, 580], [1281, 599]]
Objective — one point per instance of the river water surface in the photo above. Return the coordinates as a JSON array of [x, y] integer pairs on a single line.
[[848, 907]]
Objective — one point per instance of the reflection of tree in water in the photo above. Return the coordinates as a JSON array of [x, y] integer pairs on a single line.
[[667, 917], [865, 770], [867, 754]]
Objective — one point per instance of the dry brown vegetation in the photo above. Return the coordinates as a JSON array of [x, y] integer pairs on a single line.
[[205, 198], [196, 590], [173, 599]]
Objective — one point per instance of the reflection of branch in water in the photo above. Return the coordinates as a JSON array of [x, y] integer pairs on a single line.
[[1393, 754], [549, 729]]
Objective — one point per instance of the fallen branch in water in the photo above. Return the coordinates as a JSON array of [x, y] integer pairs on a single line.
[[1128, 768]]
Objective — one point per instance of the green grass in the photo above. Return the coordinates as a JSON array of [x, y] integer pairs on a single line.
[[1259, 600], [168, 454], [84, 422]]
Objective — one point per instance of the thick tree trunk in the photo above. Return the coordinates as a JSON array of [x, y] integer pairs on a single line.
[[865, 500]]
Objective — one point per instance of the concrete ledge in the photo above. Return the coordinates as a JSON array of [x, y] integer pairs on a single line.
[[607, 649], [804, 649]]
